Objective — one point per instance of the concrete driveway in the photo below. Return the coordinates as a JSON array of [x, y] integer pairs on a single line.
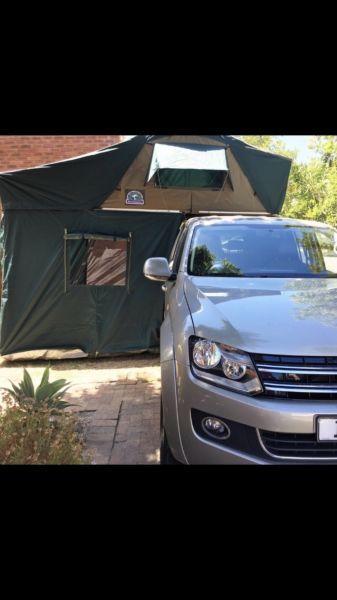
[[118, 402]]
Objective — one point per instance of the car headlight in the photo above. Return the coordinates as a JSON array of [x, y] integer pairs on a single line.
[[206, 354], [223, 366]]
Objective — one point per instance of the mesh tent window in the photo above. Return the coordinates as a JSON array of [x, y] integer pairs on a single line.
[[189, 178], [96, 260]]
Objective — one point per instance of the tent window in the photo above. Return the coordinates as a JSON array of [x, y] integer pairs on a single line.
[[189, 178], [96, 261], [188, 166]]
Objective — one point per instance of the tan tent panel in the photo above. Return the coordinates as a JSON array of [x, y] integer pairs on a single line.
[[236, 194]]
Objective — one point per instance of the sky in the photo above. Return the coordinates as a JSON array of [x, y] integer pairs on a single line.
[[299, 143]]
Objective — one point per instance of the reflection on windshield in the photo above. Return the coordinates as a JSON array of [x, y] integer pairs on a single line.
[[263, 251], [205, 263], [314, 299]]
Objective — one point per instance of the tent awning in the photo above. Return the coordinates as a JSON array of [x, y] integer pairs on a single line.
[[185, 157]]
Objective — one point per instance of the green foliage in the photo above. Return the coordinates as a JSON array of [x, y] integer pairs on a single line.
[[326, 148], [34, 429], [37, 437], [269, 143], [47, 395], [312, 187]]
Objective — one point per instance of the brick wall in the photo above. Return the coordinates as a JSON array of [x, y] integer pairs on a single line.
[[20, 151]]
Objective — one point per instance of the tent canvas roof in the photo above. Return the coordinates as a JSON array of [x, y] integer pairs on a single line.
[[85, 182]]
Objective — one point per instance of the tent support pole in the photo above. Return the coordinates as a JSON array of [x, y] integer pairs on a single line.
[[65, 261]]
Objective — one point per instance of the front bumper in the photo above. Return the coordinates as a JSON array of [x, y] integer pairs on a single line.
[[253, 414]]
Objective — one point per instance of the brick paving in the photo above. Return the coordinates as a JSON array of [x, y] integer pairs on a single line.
[[117, 401]]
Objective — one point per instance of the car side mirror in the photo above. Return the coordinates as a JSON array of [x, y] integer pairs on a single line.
[[157, 269]]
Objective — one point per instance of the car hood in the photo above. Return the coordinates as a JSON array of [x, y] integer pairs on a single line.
[[266, 315]]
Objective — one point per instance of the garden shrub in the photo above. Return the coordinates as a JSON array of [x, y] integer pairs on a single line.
[[34, 427], [39, 438]]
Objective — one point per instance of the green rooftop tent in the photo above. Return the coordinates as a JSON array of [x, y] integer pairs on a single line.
[[76, 234]]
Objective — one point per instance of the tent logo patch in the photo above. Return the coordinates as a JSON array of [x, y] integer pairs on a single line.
[[134, 197]]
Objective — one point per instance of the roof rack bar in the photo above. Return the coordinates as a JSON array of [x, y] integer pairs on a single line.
[[152, 210], [231, 212]]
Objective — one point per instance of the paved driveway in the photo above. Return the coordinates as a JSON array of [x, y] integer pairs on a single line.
[[118, 401]]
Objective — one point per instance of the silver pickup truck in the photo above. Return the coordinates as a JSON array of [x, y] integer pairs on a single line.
[[249, 342]]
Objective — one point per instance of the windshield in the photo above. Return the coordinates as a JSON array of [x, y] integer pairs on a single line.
[[263, 251]]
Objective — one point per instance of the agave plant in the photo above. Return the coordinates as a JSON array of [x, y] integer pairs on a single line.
[[47, 395]]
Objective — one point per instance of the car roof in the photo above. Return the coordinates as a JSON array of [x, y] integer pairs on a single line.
[[242, 219]]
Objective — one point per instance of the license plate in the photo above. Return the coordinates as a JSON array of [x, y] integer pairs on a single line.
[[327, 429]]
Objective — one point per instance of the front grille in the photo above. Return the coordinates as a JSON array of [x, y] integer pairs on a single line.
[[298, 377], [297, 445], [259, 443]]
